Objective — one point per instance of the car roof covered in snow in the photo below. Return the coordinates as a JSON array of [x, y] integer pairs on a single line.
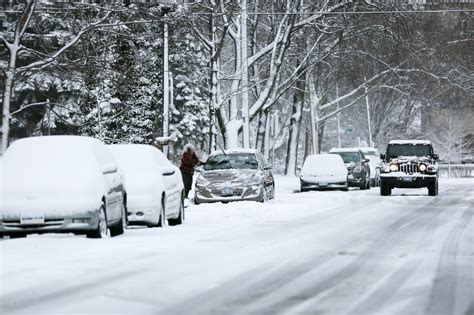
[[235, 151], [414, 142], [344, 150], [66, 141]]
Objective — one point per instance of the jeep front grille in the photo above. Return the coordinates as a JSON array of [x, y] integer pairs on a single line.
[[409, 168]]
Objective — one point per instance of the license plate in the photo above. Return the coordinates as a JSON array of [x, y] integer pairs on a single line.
[[225, 192], [407, 179], [29, 218]]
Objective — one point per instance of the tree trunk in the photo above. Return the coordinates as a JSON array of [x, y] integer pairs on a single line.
[[295, 126]]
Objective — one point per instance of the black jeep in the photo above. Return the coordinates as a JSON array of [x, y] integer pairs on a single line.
[[409, 164]]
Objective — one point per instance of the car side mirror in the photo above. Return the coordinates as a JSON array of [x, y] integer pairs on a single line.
[[366, 160], [109, 168], [168, 171], [435, 156], [382, 156]]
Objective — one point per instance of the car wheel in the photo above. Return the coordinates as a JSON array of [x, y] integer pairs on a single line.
[[363, 185], [346, 188], [368, 183], [102, 229], [385, 190], [119, 228], [433, 189], [264, 195], [179, 220], [162, 222]]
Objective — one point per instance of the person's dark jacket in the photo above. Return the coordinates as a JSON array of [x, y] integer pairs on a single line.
[[188, 161]]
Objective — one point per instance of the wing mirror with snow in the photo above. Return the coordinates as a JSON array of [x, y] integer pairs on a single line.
[[109, 168]]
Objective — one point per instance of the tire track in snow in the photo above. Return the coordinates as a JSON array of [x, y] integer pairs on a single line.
[[442, 299], [248, 288], [420, 218]]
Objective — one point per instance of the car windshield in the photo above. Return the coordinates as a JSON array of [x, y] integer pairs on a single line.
[[396, 150], [349, 156], [238, 161]]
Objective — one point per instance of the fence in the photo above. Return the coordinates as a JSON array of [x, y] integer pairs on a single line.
[[456, 170]]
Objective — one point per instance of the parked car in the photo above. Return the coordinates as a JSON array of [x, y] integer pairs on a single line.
[[409, 164], [61, 184], [372, 154], [235, 175], [323, 171], [357, 166], [154, 185]]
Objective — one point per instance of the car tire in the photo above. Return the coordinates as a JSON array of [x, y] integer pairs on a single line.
[[346, 188], [102, 228], [264, 195], [385, 190], [368, 184], [433, 189], [363, 185], [162, 221], [119, 228], [180, 219]]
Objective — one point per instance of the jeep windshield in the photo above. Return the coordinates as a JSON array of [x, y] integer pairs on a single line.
[[228, 161], [397, 150]]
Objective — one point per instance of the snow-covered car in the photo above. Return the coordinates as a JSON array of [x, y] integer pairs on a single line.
[[357, 166], [372, 154], [409, 164], [234, 175], [154, 185], [323, 171], [61, 184]]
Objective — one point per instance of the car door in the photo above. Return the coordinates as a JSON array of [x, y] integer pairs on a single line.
[[171, 180], [113, 181]]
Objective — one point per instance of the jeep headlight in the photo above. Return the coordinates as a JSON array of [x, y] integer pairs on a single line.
[[422, 167], [202, 181], [393, 167]]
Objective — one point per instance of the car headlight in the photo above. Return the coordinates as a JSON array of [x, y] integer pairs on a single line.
[[202, 181], [254, 180], [394, 167], [422, 167]]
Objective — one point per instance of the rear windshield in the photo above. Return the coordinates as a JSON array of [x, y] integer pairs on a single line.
[[349, 156], [237, 161], [396, 150]]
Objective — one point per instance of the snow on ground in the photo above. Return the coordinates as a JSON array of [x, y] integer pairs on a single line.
[[315, 252]]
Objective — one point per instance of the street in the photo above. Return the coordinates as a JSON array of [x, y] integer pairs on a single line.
[[317, 252]]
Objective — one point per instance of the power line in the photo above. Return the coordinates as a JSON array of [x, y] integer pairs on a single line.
[[351, 12]]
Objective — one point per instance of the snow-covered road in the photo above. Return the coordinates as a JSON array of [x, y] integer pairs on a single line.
[[304, 253]]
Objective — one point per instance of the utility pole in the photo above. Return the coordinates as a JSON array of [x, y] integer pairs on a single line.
[[166, 80], [49, 117], [368, 114], [338, 119], [244, 74]]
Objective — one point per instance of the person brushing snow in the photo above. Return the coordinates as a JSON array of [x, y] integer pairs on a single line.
[[189, 160]]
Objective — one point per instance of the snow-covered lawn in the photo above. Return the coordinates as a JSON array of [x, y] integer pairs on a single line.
[[312, 252]]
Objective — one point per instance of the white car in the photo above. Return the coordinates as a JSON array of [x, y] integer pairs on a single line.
[[323, 171], [61, 184], [154, 185], [372, 154]]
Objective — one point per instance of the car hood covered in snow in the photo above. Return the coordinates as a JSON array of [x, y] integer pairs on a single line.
[[233, 175]]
